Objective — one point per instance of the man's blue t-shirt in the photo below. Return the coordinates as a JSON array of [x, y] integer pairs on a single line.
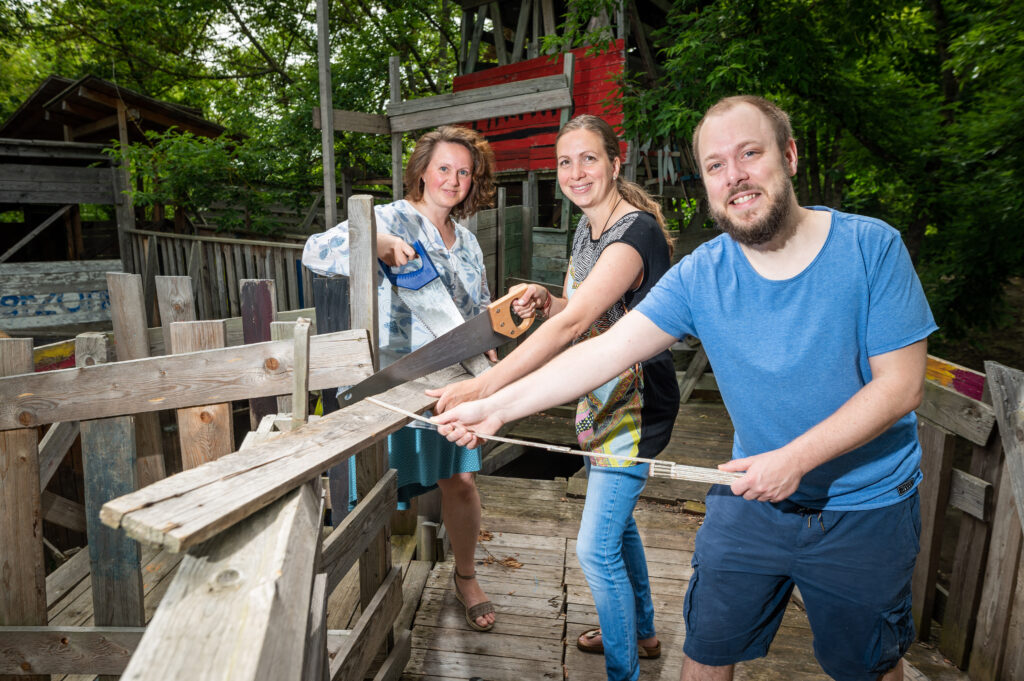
[[787, 354]]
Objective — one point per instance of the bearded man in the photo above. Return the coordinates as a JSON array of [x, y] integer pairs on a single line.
[[816, 325]]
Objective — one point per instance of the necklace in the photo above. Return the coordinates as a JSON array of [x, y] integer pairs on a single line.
[[609, 218]]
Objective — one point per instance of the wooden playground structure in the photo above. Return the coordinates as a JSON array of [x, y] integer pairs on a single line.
[[228, 561]]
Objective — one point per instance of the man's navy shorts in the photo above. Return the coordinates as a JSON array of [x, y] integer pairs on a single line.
[[853, 569]]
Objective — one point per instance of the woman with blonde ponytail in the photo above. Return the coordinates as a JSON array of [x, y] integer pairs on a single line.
[[620, 250]]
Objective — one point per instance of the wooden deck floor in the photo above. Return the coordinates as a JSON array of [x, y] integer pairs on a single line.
[[544, 602]]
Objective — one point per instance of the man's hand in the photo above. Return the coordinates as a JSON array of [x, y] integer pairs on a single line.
[[772, 476], [455, 394], [455, 423], [393, 250], [534, 298]]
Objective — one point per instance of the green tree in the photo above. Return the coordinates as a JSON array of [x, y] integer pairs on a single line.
[[908, 111]]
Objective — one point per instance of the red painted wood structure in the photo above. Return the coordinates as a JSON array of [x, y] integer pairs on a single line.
[[526, 141]]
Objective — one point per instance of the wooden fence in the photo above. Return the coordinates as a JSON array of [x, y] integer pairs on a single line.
[[243, 527]]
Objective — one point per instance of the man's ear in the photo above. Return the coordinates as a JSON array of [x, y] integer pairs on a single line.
[[790, 157]]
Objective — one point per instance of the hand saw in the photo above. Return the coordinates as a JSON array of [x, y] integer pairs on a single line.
[[428, 299], [487, 330]]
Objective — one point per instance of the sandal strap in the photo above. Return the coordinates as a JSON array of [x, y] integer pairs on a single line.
[[472, 576], [480, 609]]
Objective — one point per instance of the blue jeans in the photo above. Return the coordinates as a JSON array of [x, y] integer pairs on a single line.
[[612, 556]]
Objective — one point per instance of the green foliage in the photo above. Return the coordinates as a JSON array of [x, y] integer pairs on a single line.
[[249, 65], [905, 111]]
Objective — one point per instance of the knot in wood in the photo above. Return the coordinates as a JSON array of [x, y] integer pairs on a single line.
[[25, 418], [205, 416], [90, 361], [271, 364], [226, 578], [26, 666]]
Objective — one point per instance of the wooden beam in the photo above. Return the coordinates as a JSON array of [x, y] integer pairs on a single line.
[[395, 85], [500, 48], [971, 494], [31, 235], [67, 650], [176, 304], [63, 512], [521, 23], [177, 381], [23, 596], [94, 126], [1007, 386], [53, 448], [39, 277], [355, 121], [258, 300], [1000, 580], [353, 659], [128, 312], [206, 433], [937, 448], [109, 470], [323, 59], [545, 84], [506, 106], [194, 505], [474, 48], [966, 417], [300, 373], [239, 604], [351, 537]]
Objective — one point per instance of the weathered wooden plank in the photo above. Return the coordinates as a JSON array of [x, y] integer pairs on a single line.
[[63, 512], [53, 447], [1013, 666], [966, 578], [33, 277], [314, 665], [194, 505], [205, 432], [350, 538], [483, 94], [65, 578], [355, 121], [176, 304], [22, 570], [1007, 387], [128, 314], [108, 463], [504, 106], [395, 662], [997, 590], [67, 650], [968, 418], [177, 381], [937, 448], [352, 660], [371, 464], [259, 309], [971, 494], [239, 604]]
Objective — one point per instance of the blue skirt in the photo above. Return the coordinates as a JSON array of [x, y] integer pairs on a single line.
[[422, 457]]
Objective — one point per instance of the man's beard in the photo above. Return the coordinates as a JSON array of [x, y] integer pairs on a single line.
[[768, 227]]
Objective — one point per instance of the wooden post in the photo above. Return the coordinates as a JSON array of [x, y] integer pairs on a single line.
[[331, 299], [125, 211], [997, 590], [108, 462], [937, 447], [128, 313], [372, 463], [568, 69], [300, 372], [323, 41], [530, 205], [259, 309], [1007, 386], [395, 80], [499, 246], [22, 570], [205, 433], [972, 547]]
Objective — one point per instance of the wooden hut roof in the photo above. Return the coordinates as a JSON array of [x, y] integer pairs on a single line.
[[88, 107]]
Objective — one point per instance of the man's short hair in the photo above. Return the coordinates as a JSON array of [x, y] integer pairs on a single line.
[[778, 118]]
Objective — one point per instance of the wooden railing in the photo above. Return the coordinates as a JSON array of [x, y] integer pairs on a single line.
[[218, 264]]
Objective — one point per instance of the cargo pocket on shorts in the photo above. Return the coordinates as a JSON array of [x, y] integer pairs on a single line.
[[894, 633]]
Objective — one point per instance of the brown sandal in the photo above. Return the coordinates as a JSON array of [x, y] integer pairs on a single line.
[[586, 643], [478, 610]]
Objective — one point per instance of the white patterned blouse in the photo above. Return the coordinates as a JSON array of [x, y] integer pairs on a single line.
[[461, 268]]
